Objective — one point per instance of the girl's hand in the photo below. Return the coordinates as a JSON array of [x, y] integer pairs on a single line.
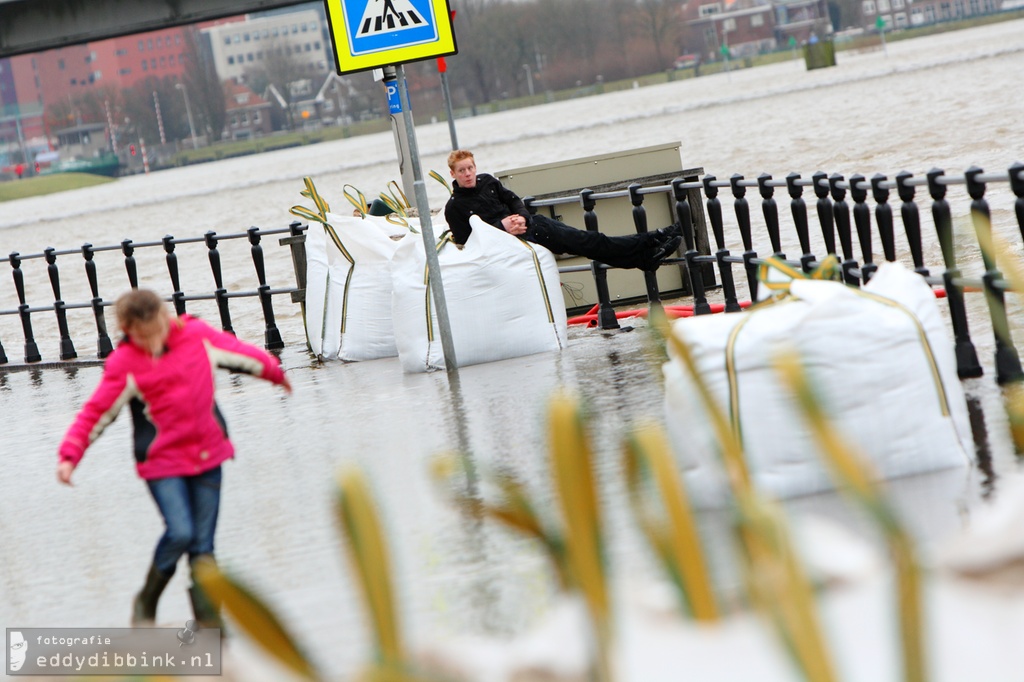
[[286, 385], [64, 471]]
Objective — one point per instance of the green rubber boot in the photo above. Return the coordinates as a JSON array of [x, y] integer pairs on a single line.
[[144, 606]]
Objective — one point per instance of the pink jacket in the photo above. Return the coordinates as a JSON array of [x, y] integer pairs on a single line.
[[178, 429]]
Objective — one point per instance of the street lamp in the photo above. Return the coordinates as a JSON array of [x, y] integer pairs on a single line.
[[188, 110], [529, 78]]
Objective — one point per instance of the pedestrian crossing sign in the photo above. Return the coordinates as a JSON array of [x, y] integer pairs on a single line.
[[368, 34]]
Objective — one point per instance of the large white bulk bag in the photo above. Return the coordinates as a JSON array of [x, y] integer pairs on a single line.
[[503, 297], [879, 356], [348, 287]]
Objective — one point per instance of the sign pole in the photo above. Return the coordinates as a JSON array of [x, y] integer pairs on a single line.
[[400, 130], [426, 229]]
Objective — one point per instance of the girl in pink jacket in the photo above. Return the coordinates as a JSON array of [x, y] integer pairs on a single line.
[[163, 371]]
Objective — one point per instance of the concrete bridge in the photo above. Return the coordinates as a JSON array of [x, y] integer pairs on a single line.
[[34, 25]]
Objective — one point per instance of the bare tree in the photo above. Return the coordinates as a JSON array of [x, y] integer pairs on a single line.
[[204, 87]]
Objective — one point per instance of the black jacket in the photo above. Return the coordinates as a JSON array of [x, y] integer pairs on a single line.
[[490, 200]]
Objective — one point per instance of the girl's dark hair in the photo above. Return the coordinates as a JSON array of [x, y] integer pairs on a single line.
[[138, 305]]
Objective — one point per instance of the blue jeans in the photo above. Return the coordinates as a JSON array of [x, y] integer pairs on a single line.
[[189, 505]]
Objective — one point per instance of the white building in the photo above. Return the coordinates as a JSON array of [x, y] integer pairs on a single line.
[[240, 46]]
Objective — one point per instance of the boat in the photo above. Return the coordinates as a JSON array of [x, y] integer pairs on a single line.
[[104, 164]]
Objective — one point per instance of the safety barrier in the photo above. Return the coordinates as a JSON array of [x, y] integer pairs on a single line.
[[212, 241], [834, 219]]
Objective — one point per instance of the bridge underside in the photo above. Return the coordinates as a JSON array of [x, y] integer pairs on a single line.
[[34, 25]]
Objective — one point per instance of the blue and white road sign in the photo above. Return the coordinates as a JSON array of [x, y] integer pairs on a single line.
[[394, 99], [372, 33]]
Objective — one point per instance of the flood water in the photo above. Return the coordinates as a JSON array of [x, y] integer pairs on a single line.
[[74, 557]]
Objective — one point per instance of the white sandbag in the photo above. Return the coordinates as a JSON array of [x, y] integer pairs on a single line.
[[348, 287], [503, 297], [879, 356]]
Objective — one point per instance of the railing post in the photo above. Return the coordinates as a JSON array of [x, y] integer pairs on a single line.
[[798, 208], [1007, 361], [103, 344], [130, 265], [742, 210], [824, 207], [67, 348], [605, 312], [172, 269], [296, 242], [883, 216], [272, 336], [862, 219], [967, 364], [771, 213], [841, 216], [911, 220], [640, 222], [221, 293], [683, 215], [1017, 185], [714, 207], [31, 349]]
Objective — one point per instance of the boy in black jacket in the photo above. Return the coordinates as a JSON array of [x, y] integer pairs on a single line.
[[484, 196]]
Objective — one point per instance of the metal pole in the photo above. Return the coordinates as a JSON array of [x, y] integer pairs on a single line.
[[426, 229], [446, 94], [188, 110], [529, 79], [159, 118], [400, 130]]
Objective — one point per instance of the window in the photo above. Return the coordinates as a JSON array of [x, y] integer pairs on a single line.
[[152, 63], [170, 60], [869, 7], [227, 40], [312, 26], [729, 25], [145, 65], [309, 48], [901, 20], [159, 42], [255, 35], [757, 20], [883, 6], [142, 46], [124, 72], [897, 4], [266, 33], [60, 64], [304, 29], [74, 81], [316, 45], [122, 52], [707, 10], [249, 56], [275, 32], [295, 28], [149, 44], [255, 117], [177, 39], [231, 60], [247, 37], [163, 62], [236, 39]]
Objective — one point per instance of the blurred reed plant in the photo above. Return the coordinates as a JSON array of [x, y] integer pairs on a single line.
[[671, 529], [855, 477], [371, 562], [577, 550], [775, 580], [997, 251]]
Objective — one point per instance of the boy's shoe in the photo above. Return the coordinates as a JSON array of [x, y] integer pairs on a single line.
[[144, 606], [659, 252], [666, 233]]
